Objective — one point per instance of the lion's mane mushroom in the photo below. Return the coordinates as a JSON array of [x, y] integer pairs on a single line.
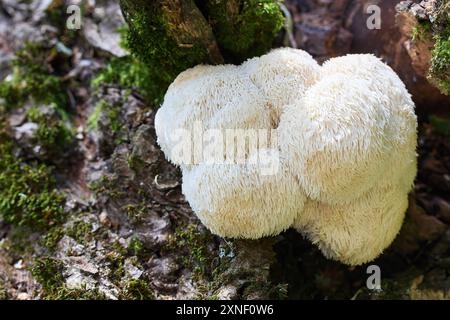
[[346, 146]]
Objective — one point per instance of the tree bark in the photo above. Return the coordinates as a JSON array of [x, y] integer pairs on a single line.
[[185, 24]]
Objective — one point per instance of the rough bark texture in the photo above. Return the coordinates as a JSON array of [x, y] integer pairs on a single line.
[[389, 44], [244, 28], [319, 27], [330, 28], [170, 36], [427, 28], [182, 22]]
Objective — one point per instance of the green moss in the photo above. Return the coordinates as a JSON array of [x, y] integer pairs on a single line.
[[33, 77], [440, 63], [52, 237], [112, 116], [136, 247], [245, 28], [129, 73], [437, 29], [107, 186], [137, 290], [92, 121], [34, 81], [81, 231], [3, 292], [116, 260], [18, 243], [439, 74], [136, 163], [154, 41], [150, 41], [48, 272], [10, 93], [52, 134], [63, 293], [136, 212], [193, 247], [159, 50], [421, 30], [27, 192]]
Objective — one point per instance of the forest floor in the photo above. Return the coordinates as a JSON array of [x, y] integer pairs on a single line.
[[90, 208]]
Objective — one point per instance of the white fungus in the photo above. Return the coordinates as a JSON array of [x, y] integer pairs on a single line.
[[346, 134], [355, 232], [237, 201]]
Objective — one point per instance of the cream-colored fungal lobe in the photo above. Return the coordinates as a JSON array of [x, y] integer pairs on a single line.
[[212, 97], [346, 149], [356, 232], [239, 202], [283, 76], [344, 134], [370, 68]]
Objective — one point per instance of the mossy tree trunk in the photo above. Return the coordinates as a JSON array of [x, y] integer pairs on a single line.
[[440, 63], [170, 36], [244, 28], [179, 24]]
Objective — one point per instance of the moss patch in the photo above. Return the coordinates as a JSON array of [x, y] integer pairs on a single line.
[[435, 29], [192, 244], [439, 73], [162, 49], [245, 28], [440, 63], [81, 231], [149, 39], [136, 247], [48, 272], [421, 30], [3, 293], [35, 82], [52, 237], [112, 114], [129, 73], [137, 290], [34, 77], [107, 186], [27, 192], [53, 134]]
